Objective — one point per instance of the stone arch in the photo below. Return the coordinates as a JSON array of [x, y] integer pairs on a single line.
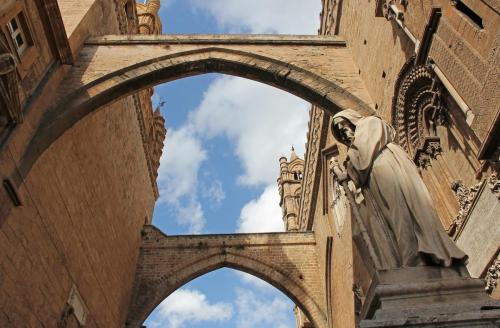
[[230, 260], [284, 260], [78, 99]]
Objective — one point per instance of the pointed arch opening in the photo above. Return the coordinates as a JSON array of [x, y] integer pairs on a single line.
[[75, 102], [167, 285]]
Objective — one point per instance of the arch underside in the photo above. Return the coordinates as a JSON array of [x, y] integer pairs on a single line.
[[151, 295], [75, 104]]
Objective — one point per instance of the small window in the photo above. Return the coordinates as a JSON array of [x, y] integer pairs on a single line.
[[19, 33], [470, 14]]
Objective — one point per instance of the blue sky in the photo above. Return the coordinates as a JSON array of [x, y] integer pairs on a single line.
[[220, 163]]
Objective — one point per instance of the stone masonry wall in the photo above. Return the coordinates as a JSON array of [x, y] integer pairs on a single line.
[[83, 208], [286, 260], [83, 205]]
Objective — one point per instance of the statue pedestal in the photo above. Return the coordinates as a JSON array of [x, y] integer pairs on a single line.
[[428, 297]]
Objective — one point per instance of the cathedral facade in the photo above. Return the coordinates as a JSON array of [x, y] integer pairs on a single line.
[[431, 69]]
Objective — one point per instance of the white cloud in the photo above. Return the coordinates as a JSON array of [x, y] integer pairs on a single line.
[[251, 280], [191, 214], [262, 122], [263, 214], [264, 16], [186, 306], [178, 177], [180, 162], [214, 193], [254, 311]]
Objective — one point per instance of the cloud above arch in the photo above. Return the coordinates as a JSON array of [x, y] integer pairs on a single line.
[[264, 16]]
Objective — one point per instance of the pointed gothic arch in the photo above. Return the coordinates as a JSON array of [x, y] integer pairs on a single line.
[[161, 271], [92, 82]]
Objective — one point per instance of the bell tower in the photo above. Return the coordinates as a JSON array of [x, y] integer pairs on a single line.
[[290, 186]]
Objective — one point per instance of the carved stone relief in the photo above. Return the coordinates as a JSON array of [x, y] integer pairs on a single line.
[[465, 197], [494, 184], [158, 135], [339, 205], [417, 111], [492, 275], [311, 161]]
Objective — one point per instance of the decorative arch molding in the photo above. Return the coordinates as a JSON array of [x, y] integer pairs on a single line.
[[416, 112], [212, 252], [83, 93], [421, 108]]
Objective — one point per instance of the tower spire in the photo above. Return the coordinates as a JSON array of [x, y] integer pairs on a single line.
[[293, 155]]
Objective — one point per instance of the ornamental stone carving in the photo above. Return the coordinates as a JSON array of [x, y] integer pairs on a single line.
[[494, 184], [430, 149], [157, 139], [465, 197], [417, 111], [311, 161], [492, 275], [389, 9], [147, 15]]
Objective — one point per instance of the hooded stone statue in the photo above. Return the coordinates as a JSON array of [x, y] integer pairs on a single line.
[[397, 208]]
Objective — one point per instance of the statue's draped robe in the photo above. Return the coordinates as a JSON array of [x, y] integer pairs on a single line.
[[397, 207]]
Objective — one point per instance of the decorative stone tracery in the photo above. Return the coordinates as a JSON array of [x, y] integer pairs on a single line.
[[417, 111]]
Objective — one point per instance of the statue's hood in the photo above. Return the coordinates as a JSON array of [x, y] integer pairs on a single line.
[[347, 114]]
